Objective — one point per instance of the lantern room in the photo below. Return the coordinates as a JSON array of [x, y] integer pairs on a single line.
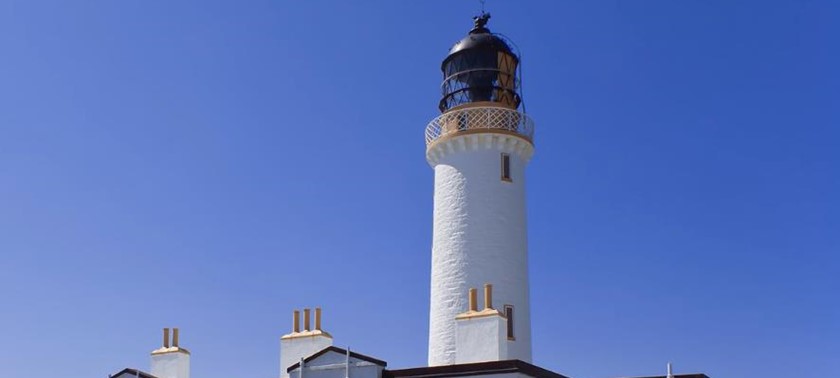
[[481, 67]]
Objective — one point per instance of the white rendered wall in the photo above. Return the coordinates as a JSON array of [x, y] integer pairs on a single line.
[[357, 370], [480, 236], [171, 365], [481, 339], [292, 349]]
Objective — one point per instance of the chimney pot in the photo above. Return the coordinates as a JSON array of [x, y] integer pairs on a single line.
[[317, 318], [296, 322], [473, 299], [175, 337], [488, 296], [166, 337], [306, 319]]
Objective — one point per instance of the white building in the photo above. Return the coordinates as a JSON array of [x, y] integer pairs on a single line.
[[479, 148]]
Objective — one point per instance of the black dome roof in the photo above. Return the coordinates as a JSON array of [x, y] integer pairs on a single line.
[[481, 38]]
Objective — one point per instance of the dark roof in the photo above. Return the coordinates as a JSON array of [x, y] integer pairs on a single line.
[[679, 376], [480, 368], [133, 373], [480, 38], [485, 40], [340, 351]]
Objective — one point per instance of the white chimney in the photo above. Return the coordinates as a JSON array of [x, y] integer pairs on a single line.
[[171, 361], [481, 336], [302, 343]]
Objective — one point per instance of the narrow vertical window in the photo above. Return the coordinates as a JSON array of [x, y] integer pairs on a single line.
[[506, 168], [509, 316]]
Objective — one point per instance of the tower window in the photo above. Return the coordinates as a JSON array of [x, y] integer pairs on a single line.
[[509, 316], [506, 168]]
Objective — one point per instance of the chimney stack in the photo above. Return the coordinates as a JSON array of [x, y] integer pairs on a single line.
[[481, 336], [301, 344], [171, 361]]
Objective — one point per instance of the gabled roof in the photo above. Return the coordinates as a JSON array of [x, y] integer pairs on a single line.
[[479, 368], [339, 351], [133, 373]]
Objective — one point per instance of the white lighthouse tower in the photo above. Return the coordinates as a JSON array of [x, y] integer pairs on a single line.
[[479, 147]]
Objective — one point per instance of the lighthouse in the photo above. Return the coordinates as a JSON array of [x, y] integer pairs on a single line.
[[479, 147], [480, 324]]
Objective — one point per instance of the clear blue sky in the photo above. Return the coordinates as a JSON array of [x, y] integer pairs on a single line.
[[214, 165]]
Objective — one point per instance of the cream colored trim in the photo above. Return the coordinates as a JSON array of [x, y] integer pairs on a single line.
[[314, 333], [478, 117], [480, 314], [444, 138], [512, 144], [169, 350]]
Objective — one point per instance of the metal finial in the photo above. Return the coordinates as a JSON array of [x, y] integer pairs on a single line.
[[481, 21], [482, 6]]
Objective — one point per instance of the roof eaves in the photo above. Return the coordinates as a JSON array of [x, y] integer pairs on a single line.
[[340, 351], [479, 368], [699, 375], [133, 372]]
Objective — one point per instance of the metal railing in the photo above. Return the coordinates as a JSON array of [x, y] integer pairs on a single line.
[[478, 118]]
